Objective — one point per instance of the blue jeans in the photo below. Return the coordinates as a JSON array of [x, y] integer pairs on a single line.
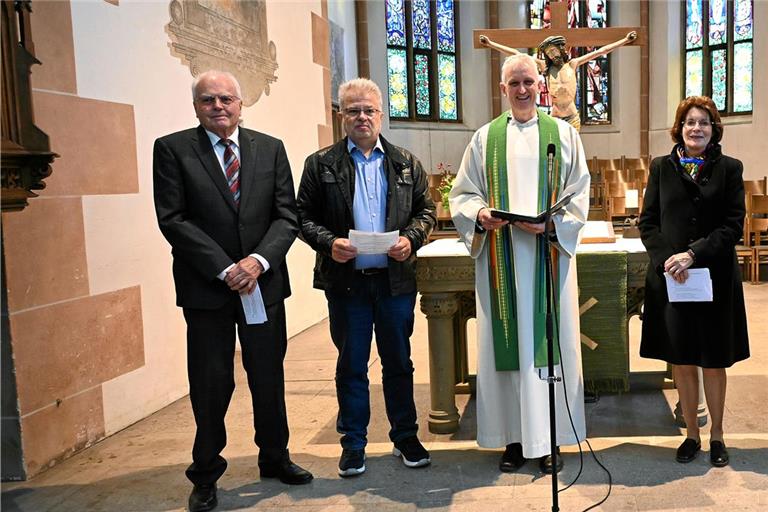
[[353, 319]]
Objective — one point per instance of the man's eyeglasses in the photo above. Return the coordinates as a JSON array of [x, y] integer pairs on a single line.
[[355, 112], [691, 123], [208, 100]]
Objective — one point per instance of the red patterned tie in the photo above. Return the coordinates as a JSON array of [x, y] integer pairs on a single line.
[[232, 169]]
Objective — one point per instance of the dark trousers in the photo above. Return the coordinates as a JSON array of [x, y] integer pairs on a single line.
[[210, 367], [353, 320]]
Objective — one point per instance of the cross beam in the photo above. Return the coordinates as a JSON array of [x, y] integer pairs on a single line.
[[575, 37]]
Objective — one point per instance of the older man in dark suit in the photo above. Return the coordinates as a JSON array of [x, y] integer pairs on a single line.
[[225, 202]]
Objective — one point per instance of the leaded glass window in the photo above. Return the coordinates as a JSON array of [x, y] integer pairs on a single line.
[[422, 60], [718, 52], [593, 91]]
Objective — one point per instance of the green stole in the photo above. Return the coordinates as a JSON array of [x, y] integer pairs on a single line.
[[501, 262]]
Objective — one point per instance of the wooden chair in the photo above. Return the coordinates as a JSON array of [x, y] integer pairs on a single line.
[[744, 249], [759, 187], [637, 163], [758, 232]]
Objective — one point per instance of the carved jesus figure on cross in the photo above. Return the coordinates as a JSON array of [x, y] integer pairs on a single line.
[[560, 71]]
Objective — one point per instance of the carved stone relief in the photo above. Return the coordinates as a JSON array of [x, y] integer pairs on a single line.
[[227, 35]]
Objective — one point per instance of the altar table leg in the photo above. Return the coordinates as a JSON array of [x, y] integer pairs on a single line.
[[440, 309]]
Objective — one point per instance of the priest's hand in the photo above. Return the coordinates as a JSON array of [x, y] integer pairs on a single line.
[[534, 229], [488, 221]]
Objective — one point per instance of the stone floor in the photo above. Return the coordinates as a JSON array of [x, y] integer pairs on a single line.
[[142, 467]]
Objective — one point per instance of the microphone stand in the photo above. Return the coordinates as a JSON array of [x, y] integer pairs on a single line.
[[551, 378]]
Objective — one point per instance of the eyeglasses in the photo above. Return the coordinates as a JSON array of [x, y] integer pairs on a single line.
[[355, 112], [208, 100], [691, 123]]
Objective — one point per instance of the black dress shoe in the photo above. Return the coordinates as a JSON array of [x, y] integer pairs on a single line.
[[288, 473], [203, 498], [718, 454], [512, 459], [545, 463], [688, 450]]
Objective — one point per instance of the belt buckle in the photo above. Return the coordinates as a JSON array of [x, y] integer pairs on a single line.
[[371, 271]]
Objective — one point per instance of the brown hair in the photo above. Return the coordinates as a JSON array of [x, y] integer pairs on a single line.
[[706, 104]]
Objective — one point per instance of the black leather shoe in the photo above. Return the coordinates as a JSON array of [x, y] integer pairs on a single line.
[[288, 473], [688, 450], [512, 459], [203, 498], [545, 463], [718, 454]]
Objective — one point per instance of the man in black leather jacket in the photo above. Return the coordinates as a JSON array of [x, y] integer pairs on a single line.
[[365, 183]]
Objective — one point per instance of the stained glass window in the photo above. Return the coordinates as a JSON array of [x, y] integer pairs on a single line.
[[422, 30], [422, 59], [719, 52], [593, 90]]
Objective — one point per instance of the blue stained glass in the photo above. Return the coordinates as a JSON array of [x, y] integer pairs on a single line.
[[742, 77], [398, 83], [742, 20], [718, 22], [446, 39], [597, 91], [719, 78], [597, 15], [446, 77], [694, 24], [395, 13], [422, 28]]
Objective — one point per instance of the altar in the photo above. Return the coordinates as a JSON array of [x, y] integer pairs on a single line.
[[611, 285]]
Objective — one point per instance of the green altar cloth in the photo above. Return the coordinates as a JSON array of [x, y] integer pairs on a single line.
[[603, 276]]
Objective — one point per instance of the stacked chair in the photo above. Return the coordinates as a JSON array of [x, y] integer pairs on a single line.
[[754, 247], [615, 184]]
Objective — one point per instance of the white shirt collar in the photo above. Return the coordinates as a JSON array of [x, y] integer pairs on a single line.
[[235, 137], [351, 145]]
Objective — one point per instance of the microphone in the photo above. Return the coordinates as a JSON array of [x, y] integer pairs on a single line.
[[550, 171]]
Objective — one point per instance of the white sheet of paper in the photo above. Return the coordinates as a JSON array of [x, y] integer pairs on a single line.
[[253, 307], [372, 243], [697, 288]]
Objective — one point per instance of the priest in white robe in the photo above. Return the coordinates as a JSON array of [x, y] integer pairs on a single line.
[[512, 394]]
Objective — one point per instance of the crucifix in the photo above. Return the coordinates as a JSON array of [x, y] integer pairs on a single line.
[[505, 40]]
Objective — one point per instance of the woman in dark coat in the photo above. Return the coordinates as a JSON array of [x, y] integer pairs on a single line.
[[692, 218]]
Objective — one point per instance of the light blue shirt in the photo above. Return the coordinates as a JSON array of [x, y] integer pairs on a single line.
[[369, 206]]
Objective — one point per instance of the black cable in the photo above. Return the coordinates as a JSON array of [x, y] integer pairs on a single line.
[[568, 408]]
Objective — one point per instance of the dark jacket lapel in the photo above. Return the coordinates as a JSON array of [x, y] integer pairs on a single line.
[[248, 166], [202, 146]]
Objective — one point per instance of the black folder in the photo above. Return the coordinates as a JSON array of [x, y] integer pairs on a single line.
[[516, 217]]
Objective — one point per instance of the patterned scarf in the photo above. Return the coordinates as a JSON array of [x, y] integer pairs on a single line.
[[691, 164], [500, 254]]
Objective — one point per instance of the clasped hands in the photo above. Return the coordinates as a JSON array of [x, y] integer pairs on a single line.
[[342, 250], [677, 266], [489, 223], [244, 276]]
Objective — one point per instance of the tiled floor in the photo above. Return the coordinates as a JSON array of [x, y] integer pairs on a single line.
[[142, 467]]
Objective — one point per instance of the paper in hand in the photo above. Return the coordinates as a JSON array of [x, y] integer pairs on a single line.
[[367, 242], [697, 288], [253, 307]]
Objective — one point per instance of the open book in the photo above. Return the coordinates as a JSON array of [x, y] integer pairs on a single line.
[[538, 219]]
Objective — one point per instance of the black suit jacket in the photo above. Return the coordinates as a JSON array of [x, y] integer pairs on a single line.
[[207, 232]]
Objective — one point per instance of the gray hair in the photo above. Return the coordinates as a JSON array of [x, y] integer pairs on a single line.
[[523, 58], [211, 73], [363, 85]]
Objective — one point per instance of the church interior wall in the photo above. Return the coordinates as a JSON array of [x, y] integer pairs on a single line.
[[97, 338]]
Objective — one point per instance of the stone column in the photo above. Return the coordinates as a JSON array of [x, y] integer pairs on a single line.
[[440, 309]]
